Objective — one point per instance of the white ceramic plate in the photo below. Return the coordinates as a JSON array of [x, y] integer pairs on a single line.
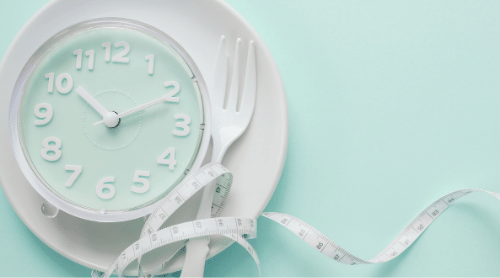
[[256, 159]]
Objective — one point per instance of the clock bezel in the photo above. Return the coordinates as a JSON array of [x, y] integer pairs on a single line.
[[16, 100]]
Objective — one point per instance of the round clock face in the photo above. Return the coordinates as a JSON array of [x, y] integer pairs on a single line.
[[110, 116]]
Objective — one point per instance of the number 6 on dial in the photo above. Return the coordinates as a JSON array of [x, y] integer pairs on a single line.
[[104, 184]]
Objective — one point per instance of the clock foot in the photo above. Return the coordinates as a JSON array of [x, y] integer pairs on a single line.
[[49, 210]]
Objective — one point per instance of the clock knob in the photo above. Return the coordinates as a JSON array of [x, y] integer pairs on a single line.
[[111, 120]]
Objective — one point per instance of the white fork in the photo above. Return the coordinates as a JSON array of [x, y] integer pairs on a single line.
[[227, 125]]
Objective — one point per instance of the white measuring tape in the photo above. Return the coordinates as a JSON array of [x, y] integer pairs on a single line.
[[237, 229]]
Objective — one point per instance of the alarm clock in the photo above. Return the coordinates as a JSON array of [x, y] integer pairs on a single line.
[[107, 117]]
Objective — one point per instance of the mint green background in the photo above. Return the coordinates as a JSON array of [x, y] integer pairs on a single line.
[[397, 102]]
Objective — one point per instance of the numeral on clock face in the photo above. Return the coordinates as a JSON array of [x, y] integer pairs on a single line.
[[50, 77], [44, 116], [184, 125], [120, 57], [170, 161], [139, 178], [54, 148], [170, 96], [64, 89], [79, 58], [107, 51], [90, 54], [78, 54], [151, 63], [105, 183], [77, 170], [60, 86]]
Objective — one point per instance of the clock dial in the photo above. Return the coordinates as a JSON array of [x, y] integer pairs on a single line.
[[111, 118]]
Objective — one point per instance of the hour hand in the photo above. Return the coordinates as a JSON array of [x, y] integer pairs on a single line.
[[92, 101]]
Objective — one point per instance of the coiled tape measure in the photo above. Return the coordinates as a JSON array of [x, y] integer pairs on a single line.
[[240, 229]]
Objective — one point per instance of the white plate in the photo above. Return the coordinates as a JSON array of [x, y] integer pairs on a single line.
[[256, 159]]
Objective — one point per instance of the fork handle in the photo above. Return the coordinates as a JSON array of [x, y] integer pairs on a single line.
[[196, 253], [197, 248]]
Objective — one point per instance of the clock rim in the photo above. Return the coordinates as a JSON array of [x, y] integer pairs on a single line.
[[32, 176]]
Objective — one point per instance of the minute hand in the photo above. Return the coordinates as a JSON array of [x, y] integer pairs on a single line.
[[139, 108]]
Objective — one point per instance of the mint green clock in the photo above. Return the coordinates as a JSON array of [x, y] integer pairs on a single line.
[[107, 117]]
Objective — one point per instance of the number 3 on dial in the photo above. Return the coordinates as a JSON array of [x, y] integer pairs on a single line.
[[183, 124]]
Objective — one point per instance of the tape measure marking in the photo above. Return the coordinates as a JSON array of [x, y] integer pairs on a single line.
[[232, 227], [193, 183], [404, 239]]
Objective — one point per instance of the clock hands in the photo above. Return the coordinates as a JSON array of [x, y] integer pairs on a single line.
[[109, 118], [138, 108]]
